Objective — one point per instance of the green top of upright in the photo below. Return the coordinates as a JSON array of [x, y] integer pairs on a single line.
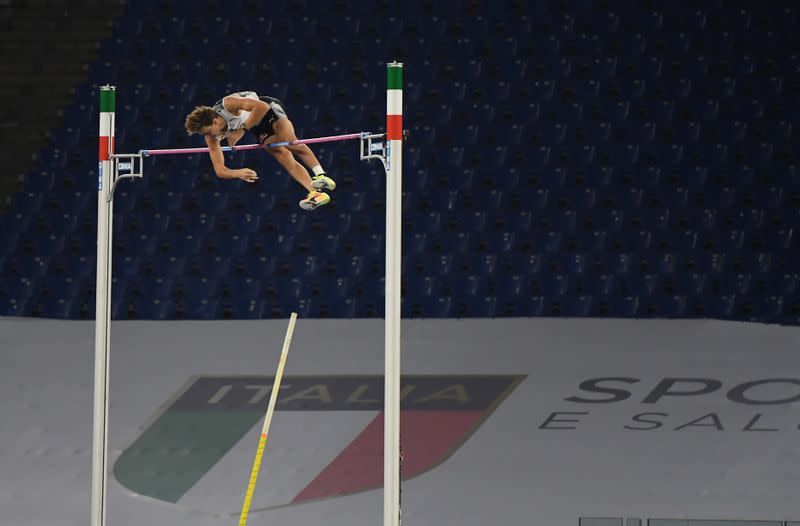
[[394, 75], [107, 98]]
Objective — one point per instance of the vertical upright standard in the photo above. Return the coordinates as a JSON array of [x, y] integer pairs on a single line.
[[114, 167], [394, 222], [103, 306]]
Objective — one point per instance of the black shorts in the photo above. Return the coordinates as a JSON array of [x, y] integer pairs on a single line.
[[263, 130]]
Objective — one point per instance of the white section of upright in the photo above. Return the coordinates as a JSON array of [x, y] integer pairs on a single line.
[[394, 102], [102, 329], [391, 433], [105, 124]]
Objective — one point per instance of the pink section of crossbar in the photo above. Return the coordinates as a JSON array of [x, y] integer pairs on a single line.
[[244, 147]]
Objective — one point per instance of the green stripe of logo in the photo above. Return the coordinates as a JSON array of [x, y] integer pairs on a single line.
[[107, 100], [394, 77], [168, 459]]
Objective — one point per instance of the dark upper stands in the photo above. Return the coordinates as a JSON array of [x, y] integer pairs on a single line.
[[571, 159]]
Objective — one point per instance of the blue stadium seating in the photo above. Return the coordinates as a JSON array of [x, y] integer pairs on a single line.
[[203, 309], [630, 161]]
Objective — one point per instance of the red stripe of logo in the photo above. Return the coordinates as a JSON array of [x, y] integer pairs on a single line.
[[429, 437]]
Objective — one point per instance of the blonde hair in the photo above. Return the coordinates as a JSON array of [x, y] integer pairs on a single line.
[[199, 117]]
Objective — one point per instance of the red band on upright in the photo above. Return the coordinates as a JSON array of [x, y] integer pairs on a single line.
[[394, 127], [104, 155]]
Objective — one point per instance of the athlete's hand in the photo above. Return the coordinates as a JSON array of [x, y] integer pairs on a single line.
[[246, 174]]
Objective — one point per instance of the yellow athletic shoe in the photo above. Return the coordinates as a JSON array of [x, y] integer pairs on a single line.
[[315, 199], [323, 182]]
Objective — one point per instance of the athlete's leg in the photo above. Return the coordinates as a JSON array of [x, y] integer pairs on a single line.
[[300, 174], [290, 164], [284, 130]]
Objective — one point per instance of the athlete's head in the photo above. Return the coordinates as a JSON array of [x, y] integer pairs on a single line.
[[205, 121]]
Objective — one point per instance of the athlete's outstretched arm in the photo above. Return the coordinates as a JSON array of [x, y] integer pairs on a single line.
[[218, 162]]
